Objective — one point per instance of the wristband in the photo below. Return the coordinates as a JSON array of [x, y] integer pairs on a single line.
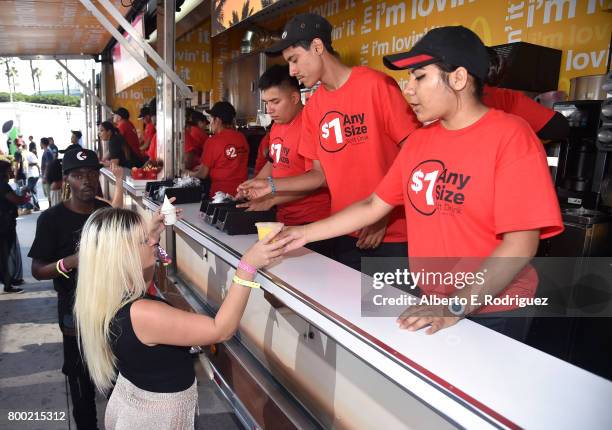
[[61, 265], [247, 267], [244, 283], [272, 185], [57, 267]]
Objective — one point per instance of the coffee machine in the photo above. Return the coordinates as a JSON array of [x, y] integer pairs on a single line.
[[584, 167]]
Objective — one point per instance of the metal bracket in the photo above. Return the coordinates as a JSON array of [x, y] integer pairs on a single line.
[[176, 80], [84, 86], [118, 36]]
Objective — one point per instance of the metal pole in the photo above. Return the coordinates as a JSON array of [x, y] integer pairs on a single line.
[[84, 86], [87, 113], [168, 93], [119, 37], [94, 116], [166, 66]]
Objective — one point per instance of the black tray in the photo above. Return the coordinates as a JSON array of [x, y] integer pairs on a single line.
[[211, 210], [233, 220]]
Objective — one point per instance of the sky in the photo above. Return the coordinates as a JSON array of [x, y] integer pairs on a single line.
[[48, 82]]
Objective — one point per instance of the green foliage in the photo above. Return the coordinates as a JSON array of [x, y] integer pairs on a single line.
[[48, 99]]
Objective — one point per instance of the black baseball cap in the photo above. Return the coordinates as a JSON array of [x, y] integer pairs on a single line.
[[305, 26], [122, 112], [77, 133], [70, 148], [455, 45], [223, 110], [79, 159], [145, 110]]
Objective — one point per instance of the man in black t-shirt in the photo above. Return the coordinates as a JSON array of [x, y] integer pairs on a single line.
[[54, 257]]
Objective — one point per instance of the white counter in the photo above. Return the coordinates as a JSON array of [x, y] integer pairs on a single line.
[[474, 376]]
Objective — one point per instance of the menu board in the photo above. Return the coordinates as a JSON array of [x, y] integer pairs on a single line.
[[127, 71], [227, 13]]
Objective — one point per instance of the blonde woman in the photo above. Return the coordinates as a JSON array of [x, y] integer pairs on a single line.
[[142, 337]]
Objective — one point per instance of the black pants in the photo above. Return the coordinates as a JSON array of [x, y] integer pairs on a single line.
[[508, 323], [7, 241], [32, 188], [82, 389], [323, 247], [347, 253]]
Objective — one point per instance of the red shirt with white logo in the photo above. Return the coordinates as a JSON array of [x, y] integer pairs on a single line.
[[355, 132], [517, 103], [463, 189], [128, 131], [284, 140], [226, 155]]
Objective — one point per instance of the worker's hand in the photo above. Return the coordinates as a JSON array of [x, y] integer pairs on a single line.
[[261, 204], [297, 236], [267, 251], [254, 189], [418, 316], [371, 237]]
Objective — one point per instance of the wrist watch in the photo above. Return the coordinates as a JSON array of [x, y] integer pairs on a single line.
[[457, 309]]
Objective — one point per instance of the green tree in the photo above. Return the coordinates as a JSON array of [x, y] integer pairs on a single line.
[[60, 77], [14, 73], [37, 75], [32, 74]]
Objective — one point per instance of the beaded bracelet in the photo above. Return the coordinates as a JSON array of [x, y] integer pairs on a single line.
[[272, 185]]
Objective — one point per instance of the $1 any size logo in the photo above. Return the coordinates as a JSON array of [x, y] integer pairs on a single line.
[[337, 130]]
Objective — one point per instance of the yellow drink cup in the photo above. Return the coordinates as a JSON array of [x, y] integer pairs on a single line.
[[264, 228]]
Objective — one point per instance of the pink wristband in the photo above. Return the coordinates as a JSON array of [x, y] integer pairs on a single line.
[[247, 267], [61, 264]]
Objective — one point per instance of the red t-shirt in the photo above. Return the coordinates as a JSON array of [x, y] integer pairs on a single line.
[[262, 153], [128, 131], [463, 189], [284, 140], [355, 132], [226, 155], [149, 131], [194, 142], [152, 150], [517, 103]]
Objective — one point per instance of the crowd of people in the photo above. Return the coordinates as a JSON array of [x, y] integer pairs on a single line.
[[362, 170]]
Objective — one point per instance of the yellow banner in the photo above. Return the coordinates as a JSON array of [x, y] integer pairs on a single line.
[[366, 30]]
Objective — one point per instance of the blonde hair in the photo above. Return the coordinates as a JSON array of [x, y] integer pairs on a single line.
[[110, 276]]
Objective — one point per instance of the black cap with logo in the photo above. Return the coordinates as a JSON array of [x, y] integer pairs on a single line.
[[223, 110], [122, 112], [306, 26], [454, 45], [77, 159]]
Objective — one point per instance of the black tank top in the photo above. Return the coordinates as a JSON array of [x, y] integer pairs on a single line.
[[159, 368]]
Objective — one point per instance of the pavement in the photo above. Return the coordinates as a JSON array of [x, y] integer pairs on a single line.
[[31, 358]]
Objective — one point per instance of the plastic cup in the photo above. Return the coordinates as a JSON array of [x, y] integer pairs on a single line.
[[264, 228], [169, 216]]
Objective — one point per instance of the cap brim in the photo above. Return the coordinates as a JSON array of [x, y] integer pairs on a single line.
[[279, 47], [100, 166], [408, 60]]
